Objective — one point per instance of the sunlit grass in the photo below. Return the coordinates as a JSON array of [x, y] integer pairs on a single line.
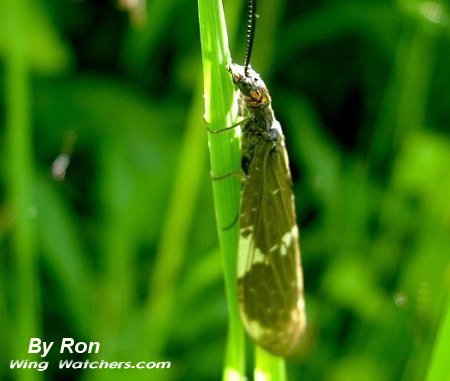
[[224, 153]]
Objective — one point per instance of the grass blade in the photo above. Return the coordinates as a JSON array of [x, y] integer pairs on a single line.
[[224, 151]]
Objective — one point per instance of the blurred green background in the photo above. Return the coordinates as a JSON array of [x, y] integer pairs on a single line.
[[121, 248]]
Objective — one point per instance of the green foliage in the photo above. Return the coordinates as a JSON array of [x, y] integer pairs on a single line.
[[124, 250], [224, 153]]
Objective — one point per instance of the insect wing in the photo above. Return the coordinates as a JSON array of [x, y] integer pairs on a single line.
[[270, 279]]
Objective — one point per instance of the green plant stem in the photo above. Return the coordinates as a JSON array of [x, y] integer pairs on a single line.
[[20, 181], [224, 153], [268, 367]]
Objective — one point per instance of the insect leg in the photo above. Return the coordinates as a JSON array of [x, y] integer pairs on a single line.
[[235, 220], [227, 128], [243, 178], [225, 176]]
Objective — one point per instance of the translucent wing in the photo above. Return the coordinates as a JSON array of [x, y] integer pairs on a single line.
[[269, 272]]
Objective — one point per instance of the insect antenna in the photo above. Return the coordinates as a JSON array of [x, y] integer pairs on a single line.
[[251, 23]]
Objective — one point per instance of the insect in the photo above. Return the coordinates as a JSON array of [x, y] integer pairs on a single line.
[[270, 279]]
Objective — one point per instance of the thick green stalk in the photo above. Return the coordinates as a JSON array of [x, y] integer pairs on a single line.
[[224, 152], [268, 367]]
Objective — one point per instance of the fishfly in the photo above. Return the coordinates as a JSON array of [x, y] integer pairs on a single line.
[[270, 279]]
